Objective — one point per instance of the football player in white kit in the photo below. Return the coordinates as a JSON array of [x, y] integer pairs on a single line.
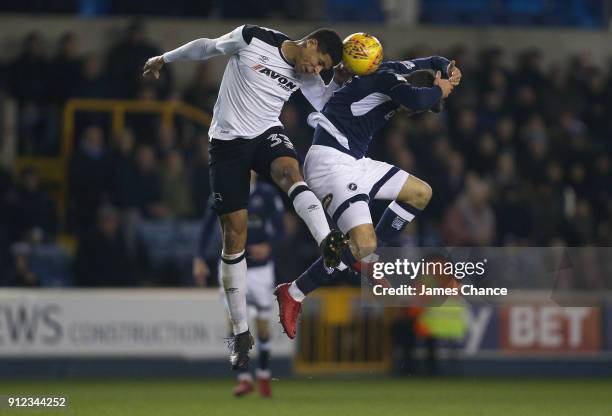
[[266, 233], [265, 67], [345, 180]]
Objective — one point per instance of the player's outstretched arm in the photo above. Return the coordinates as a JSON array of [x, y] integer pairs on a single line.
[[437, 63], [420, 98], [197, 50]]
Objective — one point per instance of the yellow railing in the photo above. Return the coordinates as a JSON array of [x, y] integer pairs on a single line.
[[338, 335], [54, 170]]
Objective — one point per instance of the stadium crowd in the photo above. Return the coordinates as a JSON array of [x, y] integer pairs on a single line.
[[521, 156]]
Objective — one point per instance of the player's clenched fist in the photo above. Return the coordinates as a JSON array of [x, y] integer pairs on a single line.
[[454, 73], [445, 85], [152, 67]]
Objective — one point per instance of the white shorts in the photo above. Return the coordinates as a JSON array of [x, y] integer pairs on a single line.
[[260, 290], [345, 185]]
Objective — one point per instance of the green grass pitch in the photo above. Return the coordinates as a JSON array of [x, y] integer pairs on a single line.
[[320, 397]]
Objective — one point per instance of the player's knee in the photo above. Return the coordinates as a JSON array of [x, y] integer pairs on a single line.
[[420, 194], [285, 173], [363, 243]]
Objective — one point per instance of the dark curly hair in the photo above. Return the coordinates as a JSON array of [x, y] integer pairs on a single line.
[[328, 43]]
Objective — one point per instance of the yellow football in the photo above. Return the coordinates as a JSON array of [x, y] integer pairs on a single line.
[[362, 53]]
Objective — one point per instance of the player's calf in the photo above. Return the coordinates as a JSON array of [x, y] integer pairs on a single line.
[[262, 372], [412, 199]]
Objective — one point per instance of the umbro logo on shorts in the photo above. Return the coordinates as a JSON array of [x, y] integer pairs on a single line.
[[352, 186]]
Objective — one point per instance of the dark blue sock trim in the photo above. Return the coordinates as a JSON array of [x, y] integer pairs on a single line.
[[410, 208], [264, 359], [233, 261], [315, 277], [344, 206], [298, 190], [383, 180]]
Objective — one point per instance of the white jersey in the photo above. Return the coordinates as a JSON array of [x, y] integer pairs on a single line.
[[256, 83]]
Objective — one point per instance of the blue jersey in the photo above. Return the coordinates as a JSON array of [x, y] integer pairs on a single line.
[[360, 108], [265, 224]]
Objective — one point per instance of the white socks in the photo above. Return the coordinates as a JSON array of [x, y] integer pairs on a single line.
[[233, 277], [309, 208], [296, 293]]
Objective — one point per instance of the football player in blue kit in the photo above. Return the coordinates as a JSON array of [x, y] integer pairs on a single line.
[[339, 174]]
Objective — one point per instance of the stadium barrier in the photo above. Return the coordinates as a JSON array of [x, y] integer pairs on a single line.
[[54, 170], [338, 335], [172, 330]]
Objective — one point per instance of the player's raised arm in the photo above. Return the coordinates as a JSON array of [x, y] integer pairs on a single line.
[[420, 98], [197, 50], [439, 63]]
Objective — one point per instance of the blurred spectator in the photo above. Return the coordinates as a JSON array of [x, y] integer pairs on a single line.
[[90, 177], [29, 78], [21, 275], [201, 179], [471, 220], [464, 131], [140, 187], [102, 257], [37, 263], [166, 141], [29, 73], [299, 136], [34, 209], [7, 226], [176, 186], [539, 137], [125, 61], [202, 91], [65, 68], [91, 81], [511, 203]]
